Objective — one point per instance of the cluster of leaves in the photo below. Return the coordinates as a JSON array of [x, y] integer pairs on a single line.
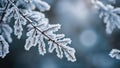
[[38, 27]]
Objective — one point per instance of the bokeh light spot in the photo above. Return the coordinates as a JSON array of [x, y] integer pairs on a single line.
[[88, 38]]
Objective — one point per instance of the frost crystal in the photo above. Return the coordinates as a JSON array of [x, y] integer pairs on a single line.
[[115, 53], [4, 47]]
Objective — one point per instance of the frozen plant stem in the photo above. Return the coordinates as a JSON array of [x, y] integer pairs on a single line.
[[42, 32]]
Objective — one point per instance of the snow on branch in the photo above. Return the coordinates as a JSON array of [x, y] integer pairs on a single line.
[[109, 14], [111, 17], [43, 30], [38, 27], [115, 53]]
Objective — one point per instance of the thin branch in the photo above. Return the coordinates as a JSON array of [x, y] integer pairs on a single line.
[[4, 11], [30, 21]]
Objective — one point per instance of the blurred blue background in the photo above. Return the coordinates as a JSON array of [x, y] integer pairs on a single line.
[[82, 24]]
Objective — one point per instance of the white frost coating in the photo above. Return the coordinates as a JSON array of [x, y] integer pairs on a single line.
[[8, 15], [41, 5], [64, 41], [60, 36], [4, 47], [68, 51], [7, 30], [18, 29], [70, 54], [41, 47], [110, 16], [115, 53], [28, 44], [32, 39], [32, 4], [19, 21], [51, 46], [35, 15], [52, 28], [59, 52]]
